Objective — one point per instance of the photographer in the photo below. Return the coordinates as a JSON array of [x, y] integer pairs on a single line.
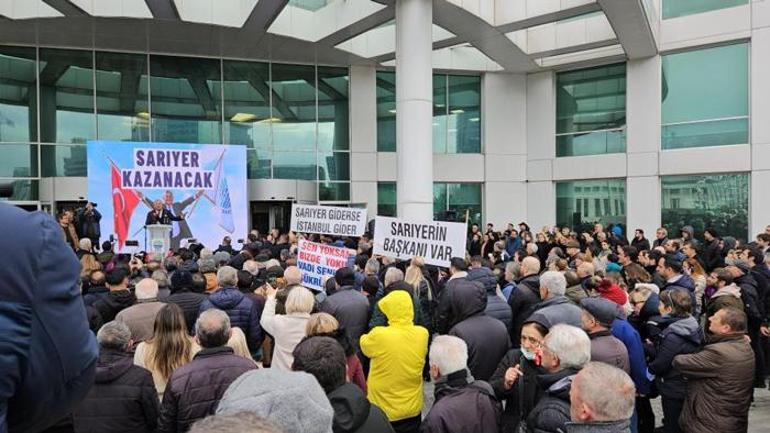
[[87, 223]]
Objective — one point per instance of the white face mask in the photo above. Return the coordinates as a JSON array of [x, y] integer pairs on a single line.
[[527, 354]]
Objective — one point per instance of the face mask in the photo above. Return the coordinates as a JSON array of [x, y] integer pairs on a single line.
[[527, 354]]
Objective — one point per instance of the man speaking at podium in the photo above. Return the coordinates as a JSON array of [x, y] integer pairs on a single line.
[[161, 215]]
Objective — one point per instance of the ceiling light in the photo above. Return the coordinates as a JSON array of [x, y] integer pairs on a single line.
[[393, 111], [474, 119], [270, 120], [143, 115], [458, 111], [243, 117]]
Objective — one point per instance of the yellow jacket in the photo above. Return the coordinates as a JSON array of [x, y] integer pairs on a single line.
[[397, 354]]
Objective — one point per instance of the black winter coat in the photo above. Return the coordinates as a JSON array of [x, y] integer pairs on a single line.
[[487, 338], [497, 307], [194, 389], [445, 316], [122, 400], [551, 413], [463, 407], [521, 301], [679, 335], [712, 256], [524, 393], [354, 414], [113, 303], [190, 303]]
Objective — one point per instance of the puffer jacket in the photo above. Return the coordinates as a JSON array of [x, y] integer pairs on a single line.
[[625, 332], [556, 310], [719, 387], [194, 389], [397, 353], [497, 307], [354, 414], [463, 405], [122, 399], [112, 303], [190, 303], [681, 335], [524, 393], [241, 311], [521, 301], [608, 349], [487, 338], [445, 319], [551, 413]]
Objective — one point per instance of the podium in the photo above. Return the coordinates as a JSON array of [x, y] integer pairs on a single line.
[[160, 238]]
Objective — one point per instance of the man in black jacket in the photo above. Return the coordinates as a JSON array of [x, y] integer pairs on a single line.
[[118, 298], [123, 397], [461, 404], [324, 358], [525, 296], [445, 318], [497, 307]]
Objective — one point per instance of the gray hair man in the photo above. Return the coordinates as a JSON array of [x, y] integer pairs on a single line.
[[140, 317], [526, 295], [555, 307], [239, 307], [123, 396], [601, 400], [565, 350], [461, 403], [212, 370]]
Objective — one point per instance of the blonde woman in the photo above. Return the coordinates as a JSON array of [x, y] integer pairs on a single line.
[[421, 289], [324, 324], [287, 329], [237, 342], [169, 348], [88, 264]]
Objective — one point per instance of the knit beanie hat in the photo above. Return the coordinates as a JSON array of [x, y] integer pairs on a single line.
[[293, 401]]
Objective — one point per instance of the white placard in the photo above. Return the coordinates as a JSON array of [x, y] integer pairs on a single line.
[[318, 260], [436, 241], [328, 220]]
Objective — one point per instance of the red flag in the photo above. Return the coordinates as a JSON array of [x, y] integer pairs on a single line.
[[124, 201]]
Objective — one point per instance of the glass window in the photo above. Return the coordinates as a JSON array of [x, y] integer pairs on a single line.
[[334, 191], [333, 128], [63, 160], [386, 111], [439, 114], [294, 165], [18, 160], [452, 201], [387, 203], [186, 100], [591, 111], [596, 197], [706, 97], [258, 164], [247, 103], [680, 8], [464, 118], [18, 95], [333, 166], [294, 108], [719, 201], [122, 90], [66, 96], [21, 189]]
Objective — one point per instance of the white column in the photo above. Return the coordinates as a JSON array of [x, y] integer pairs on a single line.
[[414, 108], [363, 137], [760, 130]]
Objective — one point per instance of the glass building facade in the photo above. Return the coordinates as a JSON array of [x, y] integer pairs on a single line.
[[456, 113], [706, 97], [582, 203], [591, 111], [450, 201], [719, 201], [294, 119], [680, 8]]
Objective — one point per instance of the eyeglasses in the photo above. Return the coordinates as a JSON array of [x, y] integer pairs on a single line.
[[531, 340]]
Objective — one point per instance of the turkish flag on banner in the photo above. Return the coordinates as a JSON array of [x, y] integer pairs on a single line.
[[124, 201]]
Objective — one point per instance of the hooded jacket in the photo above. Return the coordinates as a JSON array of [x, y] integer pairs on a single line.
[[727, 296], [445, 319], [497, 307], [241, 311], [521, 301], [750, 298], [719, 388], [122, 399], [397, 353], [463, 406], [487, 338], [354, 414], [556, 310], [681, 336], [551, 413]]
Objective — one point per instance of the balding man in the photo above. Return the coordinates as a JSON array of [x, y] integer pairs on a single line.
[[140, 317], [584, 272], [209, 374], [292, 276], [526, 295], [601, 400]]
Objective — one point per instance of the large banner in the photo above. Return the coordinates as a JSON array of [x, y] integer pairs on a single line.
[[436, 241], [203, 184], [318, 260], [328, 220]]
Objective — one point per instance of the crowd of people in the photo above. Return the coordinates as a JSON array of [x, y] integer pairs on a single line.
[[549, 331]]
